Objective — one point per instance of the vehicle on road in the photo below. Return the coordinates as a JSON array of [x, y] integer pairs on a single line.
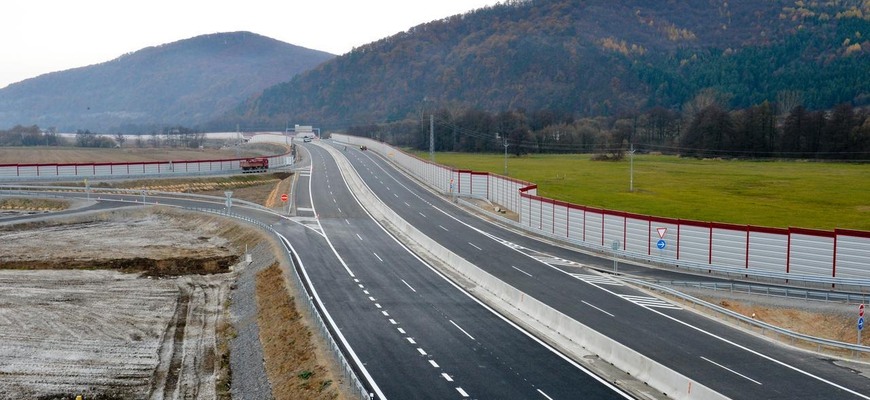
[[256, 164]]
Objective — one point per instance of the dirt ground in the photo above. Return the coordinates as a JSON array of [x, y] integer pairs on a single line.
[[136, 318], [143, 315]]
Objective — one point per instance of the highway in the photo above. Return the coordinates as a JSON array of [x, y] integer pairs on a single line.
[[730, 361], [418, 335]]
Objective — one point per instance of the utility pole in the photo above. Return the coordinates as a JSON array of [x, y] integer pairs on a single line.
[[431, 137], [506, 144], [631, 169]]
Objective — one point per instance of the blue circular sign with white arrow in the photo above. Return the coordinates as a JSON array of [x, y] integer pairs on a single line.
[[661, 244], [860, 323]]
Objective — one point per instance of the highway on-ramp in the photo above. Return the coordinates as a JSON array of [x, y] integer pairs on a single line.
[[730, 361]]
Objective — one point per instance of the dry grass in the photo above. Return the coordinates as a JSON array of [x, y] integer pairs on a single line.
[[24, 204], [292, 363]]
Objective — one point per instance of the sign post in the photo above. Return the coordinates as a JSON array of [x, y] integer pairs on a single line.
[[661, 244], [229, 201], [615, 247], [284, 198]]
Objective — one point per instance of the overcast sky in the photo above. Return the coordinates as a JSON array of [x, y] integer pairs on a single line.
[[41, 36]]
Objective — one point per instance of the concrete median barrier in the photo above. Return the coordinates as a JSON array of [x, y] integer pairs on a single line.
[[565, 332]]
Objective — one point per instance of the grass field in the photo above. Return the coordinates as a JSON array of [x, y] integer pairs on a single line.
[[765, 193]]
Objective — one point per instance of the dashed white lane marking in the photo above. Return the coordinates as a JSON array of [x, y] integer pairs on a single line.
[[409, 286], [386, 314], [544, 394], [445, 229], [530, 275], [434, 364], [378, 305], [731, 371], [372, 298], [472, 245], [598, 280], [652, 302], [590, 305], [463, 330], [411, 340], [379, 257], [421, 214], [395, 194], [447, 377], [402, 331], [406, 203], [421, 351], [462, 392], [392, 321], [360, 237]]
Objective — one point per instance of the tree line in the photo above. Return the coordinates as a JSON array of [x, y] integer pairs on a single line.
[[703, 128], [174, 137]]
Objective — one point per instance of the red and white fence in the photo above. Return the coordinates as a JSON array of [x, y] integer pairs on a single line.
[[89, 170], [814, 256]]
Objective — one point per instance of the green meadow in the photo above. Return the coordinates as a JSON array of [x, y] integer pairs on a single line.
[[817, 195]]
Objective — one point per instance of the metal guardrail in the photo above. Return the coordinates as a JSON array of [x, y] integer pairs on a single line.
[[774, 291], [858, 351]]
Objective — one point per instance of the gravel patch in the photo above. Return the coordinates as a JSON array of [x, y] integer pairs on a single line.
[[246, 353]]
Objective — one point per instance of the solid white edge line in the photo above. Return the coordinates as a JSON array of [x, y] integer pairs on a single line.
[[338, 333], [730, 370]]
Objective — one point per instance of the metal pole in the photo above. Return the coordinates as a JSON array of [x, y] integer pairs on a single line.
[[431, 137], [505, 154], [631, 169]]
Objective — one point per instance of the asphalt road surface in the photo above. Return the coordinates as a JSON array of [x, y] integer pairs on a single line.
[[734, 363]]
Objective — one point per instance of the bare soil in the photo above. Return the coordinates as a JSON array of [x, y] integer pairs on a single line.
[[104, 333]]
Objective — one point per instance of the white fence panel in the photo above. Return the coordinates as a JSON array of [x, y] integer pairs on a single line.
[[729, 247], [853, 253], [560, 220], [811, 255], [594, 221], [767, 251], [614, 229], [637, 236], [576, 224], [694, 244]]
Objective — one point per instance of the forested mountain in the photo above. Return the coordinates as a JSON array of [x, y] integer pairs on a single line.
[[181, 83], [589, 58]]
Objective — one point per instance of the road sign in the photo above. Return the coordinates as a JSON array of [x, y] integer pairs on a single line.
[[662, 232], [860, 323], [861, 310], [284, 197], [661, 244]]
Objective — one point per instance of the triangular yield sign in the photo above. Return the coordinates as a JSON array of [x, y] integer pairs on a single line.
[[662, 232]]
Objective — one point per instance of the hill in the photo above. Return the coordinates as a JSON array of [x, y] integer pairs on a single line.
[[180, 83], [588, 58]]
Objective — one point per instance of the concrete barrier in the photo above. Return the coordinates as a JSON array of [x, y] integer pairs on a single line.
[[566, 332]]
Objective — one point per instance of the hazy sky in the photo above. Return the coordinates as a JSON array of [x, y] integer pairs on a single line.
[[41, 36]]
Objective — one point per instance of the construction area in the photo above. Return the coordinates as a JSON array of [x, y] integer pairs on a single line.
[[140, 303]]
